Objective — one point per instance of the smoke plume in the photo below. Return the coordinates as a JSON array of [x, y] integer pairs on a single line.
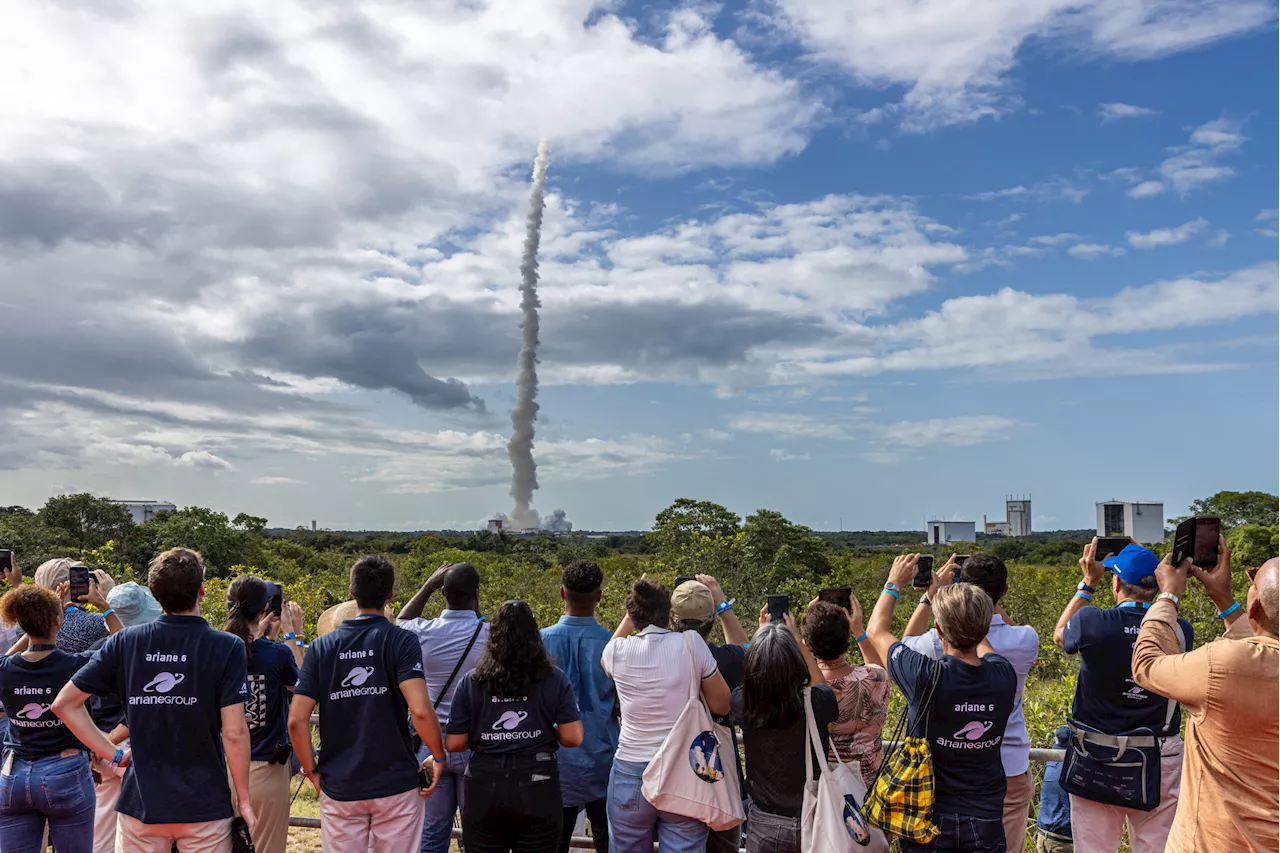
[[557, 522], [524, 472]]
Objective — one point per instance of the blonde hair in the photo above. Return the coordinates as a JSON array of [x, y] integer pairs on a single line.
[[54, 573], [963, 613]]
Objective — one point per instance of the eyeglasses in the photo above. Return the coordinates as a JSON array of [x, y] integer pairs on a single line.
[[1252, 573]]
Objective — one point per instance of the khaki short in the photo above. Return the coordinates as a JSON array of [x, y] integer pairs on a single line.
[[1045, 844]]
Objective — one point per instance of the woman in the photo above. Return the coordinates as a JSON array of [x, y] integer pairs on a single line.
[[960, 704], [651, 672], [273, 671], [861, 691], [80, 628], [45, 779], [769, 707], [514, 711]]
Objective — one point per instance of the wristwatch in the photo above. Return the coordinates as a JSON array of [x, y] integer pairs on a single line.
[[892, 587], [924, 599], [1084, 587], [1177, 602]]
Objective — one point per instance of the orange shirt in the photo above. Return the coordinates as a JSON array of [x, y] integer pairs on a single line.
[[1230, 688]]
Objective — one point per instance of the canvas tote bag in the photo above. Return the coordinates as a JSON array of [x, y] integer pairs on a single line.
[[831, 819], [692, 775]]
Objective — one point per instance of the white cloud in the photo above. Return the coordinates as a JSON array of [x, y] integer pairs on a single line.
[[1054, 239], [1055, 190], [787, 425], [1092, 251], [1115, 111], [1191, 166], [276, 481], [1166, 236], [784, 456], [961, 431], [1268, 220]]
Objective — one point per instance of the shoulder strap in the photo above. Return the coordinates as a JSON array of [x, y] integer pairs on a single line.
[[444, 691], [812, 743], [1173, 703], [694, 681], [927, 705]]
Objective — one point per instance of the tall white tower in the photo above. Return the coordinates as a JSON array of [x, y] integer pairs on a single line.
[[1018, 514]]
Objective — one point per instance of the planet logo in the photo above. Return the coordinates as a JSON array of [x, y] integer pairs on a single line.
[[164, 682], [510, 719], [973, 730], [32, 711], [357, 676]]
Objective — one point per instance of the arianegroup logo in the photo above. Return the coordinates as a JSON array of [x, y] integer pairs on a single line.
[[357, 676], [974, 729], [32, 711], [510, 719], [1135, 692], [164, 682]]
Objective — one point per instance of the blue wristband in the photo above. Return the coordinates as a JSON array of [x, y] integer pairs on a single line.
[[887, 591], [107, 613], [863, 637], [119, 756], [289, 636], [1086, 596], [1232, 609], [725, 605]]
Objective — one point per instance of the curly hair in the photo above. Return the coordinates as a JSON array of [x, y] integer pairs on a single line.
[[514, 658], [247, 599], [826, 630], [34, 609], [648, 603], [581, 580]]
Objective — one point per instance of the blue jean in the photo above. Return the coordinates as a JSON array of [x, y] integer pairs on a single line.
[[632, 819], [448, 797], [57, 791], [958, 833]]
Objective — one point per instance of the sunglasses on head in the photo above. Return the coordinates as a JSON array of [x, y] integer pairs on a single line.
[[1252, 573]]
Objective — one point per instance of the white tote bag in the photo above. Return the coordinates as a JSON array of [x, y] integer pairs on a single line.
[[831, 818], [693, 774]]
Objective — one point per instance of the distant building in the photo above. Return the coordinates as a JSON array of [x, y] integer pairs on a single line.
[[938, 532], [1017, 513], [1143, 520], [145, 510], [495, 525], [995, 528]]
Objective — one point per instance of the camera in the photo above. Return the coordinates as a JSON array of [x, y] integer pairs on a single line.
[[281, 754]]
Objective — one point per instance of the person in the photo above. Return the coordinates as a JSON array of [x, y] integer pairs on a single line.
[[45, 779], [862, 692], [1229, 688], [967, 717], [273, 672], [1053, 819], [80, 628], [697, 605], [183, 685], [133, 605], [651, 671], [451, 645], [366, 678], [1108, 701], [341, 612], [769, 706], [9, 633], [513, 711], [1020, 646], [575, 644]]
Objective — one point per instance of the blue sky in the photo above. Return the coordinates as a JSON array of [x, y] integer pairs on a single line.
[[858, 263]]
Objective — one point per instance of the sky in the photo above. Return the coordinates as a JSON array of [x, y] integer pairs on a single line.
[[856, 261]]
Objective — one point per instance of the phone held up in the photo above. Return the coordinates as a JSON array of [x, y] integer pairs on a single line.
[[961, 559], [78, 576], [276, 607], [924, 572], [1109, 546], [779, 606], [1197, 538], [6, 559], [838, 595], [683, 579]]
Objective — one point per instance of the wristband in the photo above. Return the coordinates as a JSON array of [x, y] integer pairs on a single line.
[[887, 591], [1177, 601], [69, 607], [107, 613], [1084, 587], [1235, 605], [117, 758], [863, 637], [725, 605], [1082, 594], [290, 636]]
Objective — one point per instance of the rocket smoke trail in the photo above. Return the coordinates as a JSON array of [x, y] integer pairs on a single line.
[[524, 476]]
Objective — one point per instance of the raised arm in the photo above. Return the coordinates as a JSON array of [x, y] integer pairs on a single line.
[[13, 574], [734, 634], [1157, 664], [413, 608], [880, 628], [1217, 584], [1093, 573], [870, 656], [918, 624]]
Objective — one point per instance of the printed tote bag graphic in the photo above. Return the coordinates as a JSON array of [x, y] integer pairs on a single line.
[[692, 775], [901, 798], [831, 819]]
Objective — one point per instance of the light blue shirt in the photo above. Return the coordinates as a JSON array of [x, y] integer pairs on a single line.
[[443, 640], [575, 644]]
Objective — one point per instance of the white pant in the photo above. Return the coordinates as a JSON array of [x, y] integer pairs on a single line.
[[384, 825], [107, 794], [134, 836]]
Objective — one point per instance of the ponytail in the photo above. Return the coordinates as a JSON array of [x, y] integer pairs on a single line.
[[247, 599]]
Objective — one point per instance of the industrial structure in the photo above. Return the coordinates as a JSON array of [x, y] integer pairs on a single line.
[[1142, 520], [1017, 518], [495, 524], [939, 532], [145, 510]]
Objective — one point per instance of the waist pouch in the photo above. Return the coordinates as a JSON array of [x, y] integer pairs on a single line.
[[1118, 770]]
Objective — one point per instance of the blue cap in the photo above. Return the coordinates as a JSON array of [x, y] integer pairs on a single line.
[[1061, 736], [1135, 565]]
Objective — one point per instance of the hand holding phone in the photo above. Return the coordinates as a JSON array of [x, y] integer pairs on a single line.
[[924, 572], [961, 559], [276, 607], [6, 559], [779, 606], [1110, 546], [78, 577], [683, 579]]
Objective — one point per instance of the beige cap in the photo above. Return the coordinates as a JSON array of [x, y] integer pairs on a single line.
[[693, 601], [339, 613]]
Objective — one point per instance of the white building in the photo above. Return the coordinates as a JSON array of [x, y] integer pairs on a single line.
[[938, 532], [1143, 520], [1018, 513], [145, 510], [495, 524]]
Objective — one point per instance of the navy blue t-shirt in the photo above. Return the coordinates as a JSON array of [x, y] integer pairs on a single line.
[[27, 690], [354, 674], [517, 726], [966, 723], [106, 710], [272, 671], [174, 675], [1107, 697]]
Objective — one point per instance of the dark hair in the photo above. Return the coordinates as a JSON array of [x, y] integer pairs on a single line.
[[461, 586], [773, 679], [373, 577], [175, 578], [32, 608], [986, 571], [514, 657], [581, 580], [702, 628], [1138, 593], [247, 599], [648, 603], [826, 630]]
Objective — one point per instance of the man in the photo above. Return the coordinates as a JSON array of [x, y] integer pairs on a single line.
[[182, 684], [695, 606], [1053, 820], [1108, 701], [450, 646], [366, 677], [1229, 688], [575, 644], [1019, 645]]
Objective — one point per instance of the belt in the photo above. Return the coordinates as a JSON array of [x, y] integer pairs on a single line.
[[517, 760]]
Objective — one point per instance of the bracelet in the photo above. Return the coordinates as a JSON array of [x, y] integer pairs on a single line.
[[1235, 605], [725, 605], [887, 591], [1177, 602], [289, 636], [863, 637], [298, 642], [119, 756], [107, 612], [1082, 594]]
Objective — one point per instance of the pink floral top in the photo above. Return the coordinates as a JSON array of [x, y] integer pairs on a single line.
[[863, 697]]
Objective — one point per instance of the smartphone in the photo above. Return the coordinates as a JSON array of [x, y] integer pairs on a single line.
[[961, 559], [1109, 546], [683, 578], [1208, 529], [6, 560], [841, 595], [424, 778], [779, 606], [78, 575], [924, 572], [277, 600]]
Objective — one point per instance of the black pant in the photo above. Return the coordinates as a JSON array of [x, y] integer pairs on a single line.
[[513, 804], [598, 815]]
